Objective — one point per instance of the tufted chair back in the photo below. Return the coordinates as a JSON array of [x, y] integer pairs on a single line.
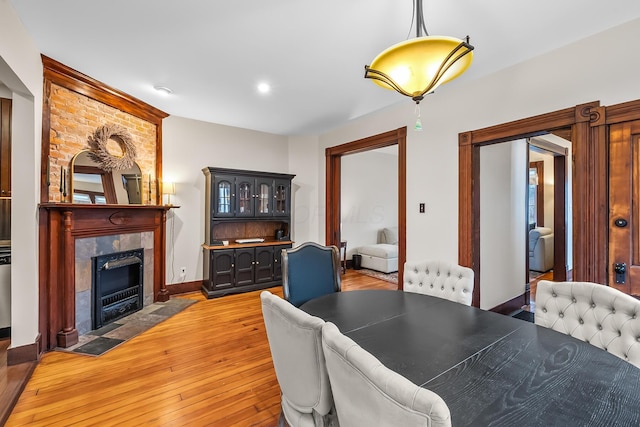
[[367, 393], [439, 279], [295, 341], [597, 314]]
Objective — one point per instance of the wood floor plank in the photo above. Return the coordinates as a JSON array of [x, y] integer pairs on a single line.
[[207, 365]]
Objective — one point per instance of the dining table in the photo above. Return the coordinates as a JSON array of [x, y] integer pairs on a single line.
[[490, 369]]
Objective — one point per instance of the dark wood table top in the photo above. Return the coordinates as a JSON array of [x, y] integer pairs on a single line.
[[490, 369]]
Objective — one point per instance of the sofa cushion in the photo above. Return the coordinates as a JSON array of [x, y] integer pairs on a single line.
[[390, 235], [381, 250], [535, 234]]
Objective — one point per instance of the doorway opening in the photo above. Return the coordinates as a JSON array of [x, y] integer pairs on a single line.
[[587, 179], [334, 189]]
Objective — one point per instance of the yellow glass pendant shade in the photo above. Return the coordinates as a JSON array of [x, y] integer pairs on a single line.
[[417, 66]]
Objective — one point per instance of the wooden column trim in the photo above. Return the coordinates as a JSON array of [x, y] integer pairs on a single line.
[[163, 294], [68, 336]]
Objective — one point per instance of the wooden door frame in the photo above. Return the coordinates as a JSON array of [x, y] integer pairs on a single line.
[[619, 114], [589, 154], [539, 167], [333, 186]]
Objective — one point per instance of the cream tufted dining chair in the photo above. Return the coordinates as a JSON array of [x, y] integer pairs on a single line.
[[594, 313], [295, 341], [439, 279], [367, 393]]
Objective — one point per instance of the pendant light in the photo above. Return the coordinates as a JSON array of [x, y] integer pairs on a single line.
[[417, 66]]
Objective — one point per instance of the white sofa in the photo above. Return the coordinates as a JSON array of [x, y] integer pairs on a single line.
[[541, 249], [382, 256]]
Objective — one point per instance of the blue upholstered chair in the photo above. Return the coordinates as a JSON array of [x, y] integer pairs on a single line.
[[309, 271]]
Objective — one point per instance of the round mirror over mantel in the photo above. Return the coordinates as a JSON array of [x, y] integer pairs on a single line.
[[91, 184]]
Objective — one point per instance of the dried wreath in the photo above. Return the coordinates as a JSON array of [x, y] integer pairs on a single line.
[[100, 153]]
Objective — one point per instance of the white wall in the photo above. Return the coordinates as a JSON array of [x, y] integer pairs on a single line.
[[596, 68], [308, 213], [21, 72], [369, 196], [503, 222], [188, 147]]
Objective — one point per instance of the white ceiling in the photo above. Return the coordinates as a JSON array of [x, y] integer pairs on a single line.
[[212, 53]]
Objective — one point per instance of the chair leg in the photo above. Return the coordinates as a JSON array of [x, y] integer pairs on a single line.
[[282, 421]]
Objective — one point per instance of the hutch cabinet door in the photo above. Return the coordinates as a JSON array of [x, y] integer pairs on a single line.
[[245, 266], [264, 197], [222, 269], [282, 197], [264, 264], [245, 196], [277, 261], [224, 196]]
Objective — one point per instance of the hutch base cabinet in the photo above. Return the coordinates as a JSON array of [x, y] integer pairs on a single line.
[[248, 217]]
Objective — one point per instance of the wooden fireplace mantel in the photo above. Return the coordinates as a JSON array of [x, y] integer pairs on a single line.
[[60, 225]]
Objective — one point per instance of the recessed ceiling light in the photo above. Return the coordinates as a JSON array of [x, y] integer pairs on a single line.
[[264, 87], [163, 90]]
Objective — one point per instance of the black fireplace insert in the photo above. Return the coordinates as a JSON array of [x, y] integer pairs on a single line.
[[117, 286]]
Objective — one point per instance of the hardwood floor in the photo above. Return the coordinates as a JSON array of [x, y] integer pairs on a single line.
[[532, 286], [209, 365], [12, 380]]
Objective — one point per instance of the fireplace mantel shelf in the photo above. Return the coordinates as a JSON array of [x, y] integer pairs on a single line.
[[66, 222], [88, 206]]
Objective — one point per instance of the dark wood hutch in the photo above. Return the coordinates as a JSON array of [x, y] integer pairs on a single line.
[[248, 220]]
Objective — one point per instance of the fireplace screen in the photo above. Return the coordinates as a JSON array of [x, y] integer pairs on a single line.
[[117, 286]]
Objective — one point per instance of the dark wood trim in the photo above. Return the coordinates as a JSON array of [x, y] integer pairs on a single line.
[[45, 143], [559, 215], [589, 193], [5, 147], [69, 78], [625, 112], [333, 161], [25, 353], [510, 306], [539, 167], [332, 197], [184, 287], [67, 222], [590, 196], [469, 225]]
